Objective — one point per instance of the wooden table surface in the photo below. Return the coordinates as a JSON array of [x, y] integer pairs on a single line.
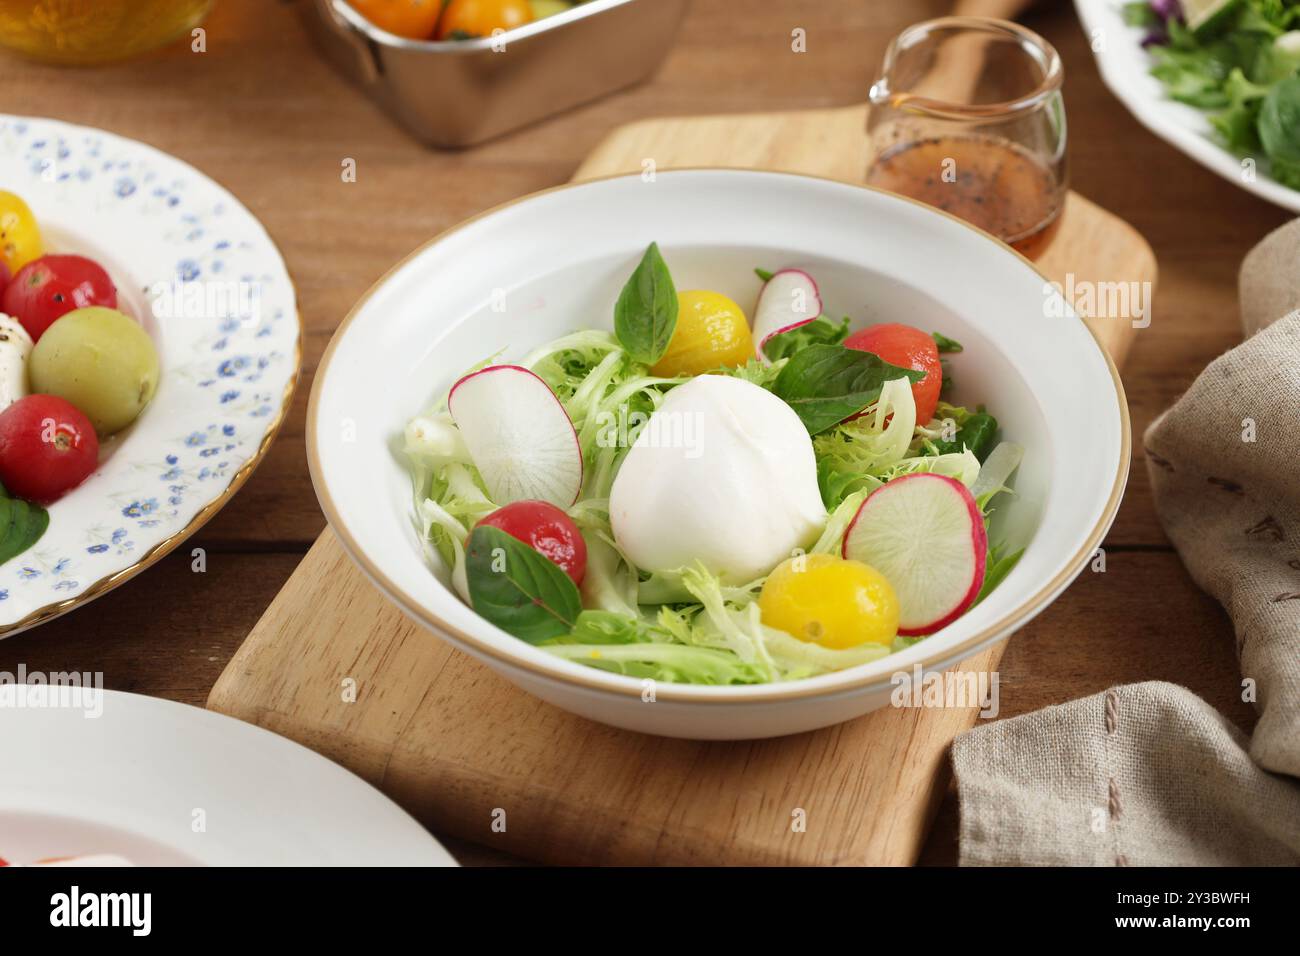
[[262, 114]]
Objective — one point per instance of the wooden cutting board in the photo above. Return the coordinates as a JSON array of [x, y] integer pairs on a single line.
[[331, 664]]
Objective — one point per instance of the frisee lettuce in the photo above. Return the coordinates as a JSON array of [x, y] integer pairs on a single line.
[[686, 625], [862, 447]]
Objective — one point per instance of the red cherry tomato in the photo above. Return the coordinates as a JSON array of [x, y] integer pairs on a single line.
[[906, 347], [48, 287], [4, 277], [47, 448], [547, 530]]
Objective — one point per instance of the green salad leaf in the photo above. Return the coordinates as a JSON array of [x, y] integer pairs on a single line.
[[762, 374], [978, 432], [825, 384], [21, 525], [945, 344], [1243, 65], [1279, 121], [1140, 14], [687, 624], [645, 314], [996, 568], [607, 394], [855, 454], [820, 331], [518, 589], [611, 627], [665, 661]]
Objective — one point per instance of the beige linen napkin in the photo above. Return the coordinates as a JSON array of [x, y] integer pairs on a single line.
[[1150, 774]]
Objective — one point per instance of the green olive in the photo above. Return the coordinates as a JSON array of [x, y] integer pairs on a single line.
[[99, 360]]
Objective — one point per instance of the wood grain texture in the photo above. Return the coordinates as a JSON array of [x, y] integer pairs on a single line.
[[451, 742], [266, 117]]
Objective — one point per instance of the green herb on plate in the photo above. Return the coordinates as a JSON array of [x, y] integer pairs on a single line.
[[825, 384], [820, 331], [21, 525], [518, 589], [1237, 59], [646, 312], [945, 344]]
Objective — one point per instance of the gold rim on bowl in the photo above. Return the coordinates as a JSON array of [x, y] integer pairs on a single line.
[[758, 693]]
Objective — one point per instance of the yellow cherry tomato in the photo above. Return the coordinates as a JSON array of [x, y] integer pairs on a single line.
[[413, 19], [20, 238], [463, 19], [831, 601], [711, 331]]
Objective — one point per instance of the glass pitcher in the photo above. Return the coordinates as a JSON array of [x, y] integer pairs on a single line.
[[967, 116]]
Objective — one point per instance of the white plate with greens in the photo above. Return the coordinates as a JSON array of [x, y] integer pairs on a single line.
[[1224, 90]]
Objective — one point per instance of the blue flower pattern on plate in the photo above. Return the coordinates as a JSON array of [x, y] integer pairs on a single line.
[[228, 382]]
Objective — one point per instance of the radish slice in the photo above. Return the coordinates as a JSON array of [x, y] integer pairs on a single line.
[[519, 435], [788, 300], [926, 535]]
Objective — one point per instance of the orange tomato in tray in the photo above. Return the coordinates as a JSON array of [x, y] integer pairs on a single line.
[[464, 19], [413, 19]]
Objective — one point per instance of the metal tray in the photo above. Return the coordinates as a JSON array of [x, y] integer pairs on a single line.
[[458, 93]]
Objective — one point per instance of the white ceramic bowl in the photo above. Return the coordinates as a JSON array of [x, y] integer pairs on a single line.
[[557, 260], [1126, 68], [228, 365]]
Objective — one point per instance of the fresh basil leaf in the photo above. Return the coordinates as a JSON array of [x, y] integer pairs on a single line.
[[21, 525], [646, 312], [820, 331], [945, 344], [977, 433], [825, 384], [517, 588], [764, 274]]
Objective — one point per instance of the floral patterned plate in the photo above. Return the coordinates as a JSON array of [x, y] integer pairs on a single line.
[[209, 285]]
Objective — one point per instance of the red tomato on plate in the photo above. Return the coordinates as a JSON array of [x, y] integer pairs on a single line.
[[547, 530], [4, 277], [906, 347], [49, 287], [47, 448]]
